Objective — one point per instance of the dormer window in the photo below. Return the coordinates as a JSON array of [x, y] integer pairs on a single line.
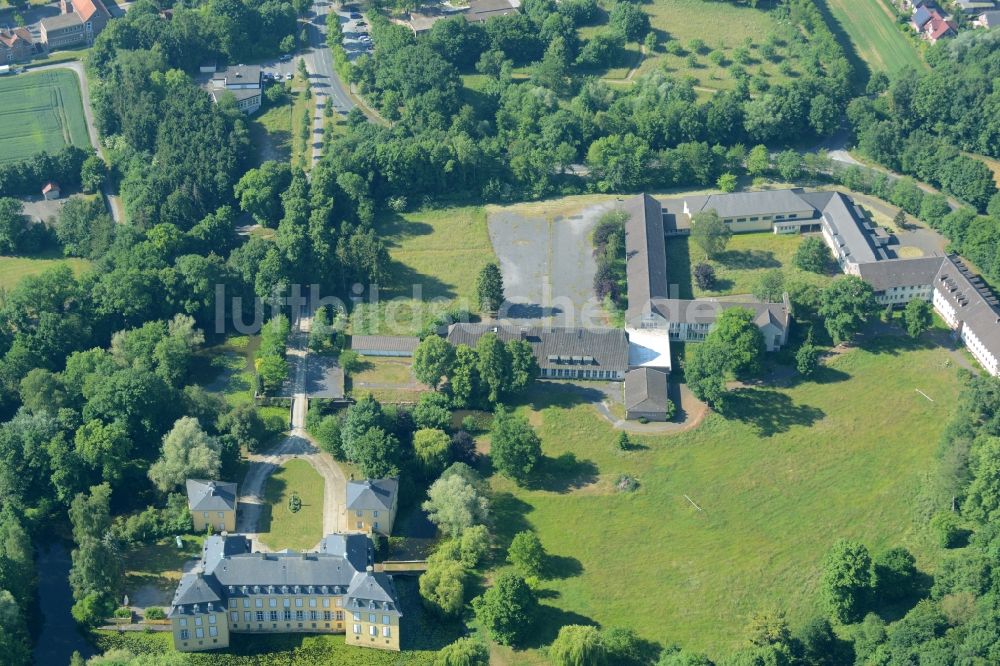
[[256, 589], [284, 589], [311, 589]]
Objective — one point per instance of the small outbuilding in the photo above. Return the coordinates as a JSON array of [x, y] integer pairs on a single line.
[[645, 394], [51, 190], [212, 504]]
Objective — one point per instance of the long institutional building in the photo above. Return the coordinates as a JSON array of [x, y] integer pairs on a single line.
[[860, 247], [332, 590]]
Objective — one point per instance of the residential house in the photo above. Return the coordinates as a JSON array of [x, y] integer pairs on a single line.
[[561, 352], [645, 394], [969, 307], [212, 505], [92, 13], [987, 20], [16, 45], [898, 281], [62, 32], [333, 590], [51, 191], [384, 345], [371, 505], [244, 82], [921, 15], [938, 27]]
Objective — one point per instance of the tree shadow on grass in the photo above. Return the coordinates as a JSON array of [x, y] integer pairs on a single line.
[[394, 228], [562, 474], [769, 412], [547, 622], [556, 567], [880, 338], [509, 514], [748, 259], [563, 395]]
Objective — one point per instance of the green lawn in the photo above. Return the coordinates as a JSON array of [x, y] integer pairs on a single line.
[[282, 528], [684, 20], [41, 111], [871, 26], [436, 256], [737, 270], [14, 269], [271, 132], [792, 471], [159, 564]]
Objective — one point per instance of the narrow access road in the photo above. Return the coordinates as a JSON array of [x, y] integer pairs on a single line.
[[297, 444], [111, 201]]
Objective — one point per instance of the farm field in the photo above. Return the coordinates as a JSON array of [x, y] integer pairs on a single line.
[[787, 474], [438, 253], [41, 111], [746, 258], [14, 269], [871, 27], [280, 527]]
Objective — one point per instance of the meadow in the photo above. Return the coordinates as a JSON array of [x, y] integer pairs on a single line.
[[41, 111], [871, 26], [787, 472], [746, 258], [435, 258], [15, 269]]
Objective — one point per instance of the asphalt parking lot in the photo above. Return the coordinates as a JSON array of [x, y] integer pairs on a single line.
[[356, 38], [548, 267]]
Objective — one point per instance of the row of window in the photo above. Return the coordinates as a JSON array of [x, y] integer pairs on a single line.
[[272, 602], [372, 618], [199, 633], [286, 615], [197, 621], [373, 630]]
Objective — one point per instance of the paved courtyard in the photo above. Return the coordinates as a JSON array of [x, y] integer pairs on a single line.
[[548, 266]]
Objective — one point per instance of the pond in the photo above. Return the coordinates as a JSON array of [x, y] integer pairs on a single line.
[[59, 637]]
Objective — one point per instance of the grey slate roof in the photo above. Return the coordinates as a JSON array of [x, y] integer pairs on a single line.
[[238, 74], [991, 18], [372, 494], [742, 204], [61, 21], [646, 390], [228, 569], [645, 252], [385, 343], [196, 588], [373, 592], [883, 275], [970, 297], [706, 311], [211, 495], [848, 228], [600, 348]]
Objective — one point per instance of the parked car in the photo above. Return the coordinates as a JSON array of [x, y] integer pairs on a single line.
[[355, 15], [288, 76], [286, 57]]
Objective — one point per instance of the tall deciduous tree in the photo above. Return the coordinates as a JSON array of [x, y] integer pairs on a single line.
[[514, 447], [507, 609], [846, 305], [526, 554], [188, 452], [578, 645], [442, 586], [710, 232], [918, 317], [455, 503], [847, 580], [432, 360]]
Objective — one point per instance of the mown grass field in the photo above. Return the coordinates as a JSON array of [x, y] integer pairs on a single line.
[[280, 527], [435, 259], [14, 269], [41, 111], [746, 258], [791, 471], [871, 26]]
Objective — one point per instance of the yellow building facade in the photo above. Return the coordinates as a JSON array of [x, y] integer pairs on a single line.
[[212, 505], [333, 590]]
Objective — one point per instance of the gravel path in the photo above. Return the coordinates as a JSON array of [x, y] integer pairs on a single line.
[[298, 444]]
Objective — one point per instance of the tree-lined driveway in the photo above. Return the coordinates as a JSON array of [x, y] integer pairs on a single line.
[[297, 444]]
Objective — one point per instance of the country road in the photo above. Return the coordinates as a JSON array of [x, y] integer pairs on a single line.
[[326, 84], [111, 201], [297, 444]]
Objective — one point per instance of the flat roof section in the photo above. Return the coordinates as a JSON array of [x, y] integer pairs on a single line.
[[648, 348]]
